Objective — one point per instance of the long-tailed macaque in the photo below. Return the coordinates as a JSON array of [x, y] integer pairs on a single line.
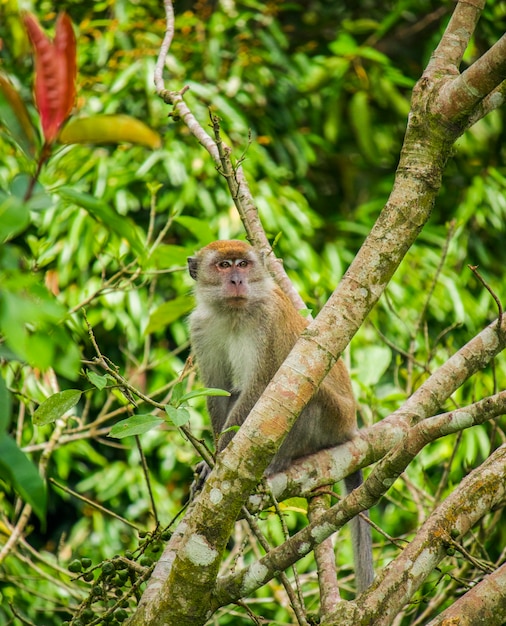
[[242, 329]]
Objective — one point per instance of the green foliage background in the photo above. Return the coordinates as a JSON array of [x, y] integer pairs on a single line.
[[314, 95]]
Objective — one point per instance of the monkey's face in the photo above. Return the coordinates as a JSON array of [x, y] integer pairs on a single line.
[[229, 273], [234, 276]]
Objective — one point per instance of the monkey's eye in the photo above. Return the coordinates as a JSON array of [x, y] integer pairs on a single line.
[[223, 265], [242, 263]]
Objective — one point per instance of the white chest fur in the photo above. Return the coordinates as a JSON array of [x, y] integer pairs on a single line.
[[242, 354]]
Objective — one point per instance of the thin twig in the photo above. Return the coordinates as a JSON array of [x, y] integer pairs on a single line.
[[92, 503], [295, 602], [325, 558], [146, 476], [129, 390], [474, 270], [421, 317]]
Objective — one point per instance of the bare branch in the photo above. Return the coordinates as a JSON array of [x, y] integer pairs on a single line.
[[448, 54], [165, 46], [485, 603], [379, 481], [325, 559], [478, 493], [493, 101], [371, 444], [474, 269], [460, 97]]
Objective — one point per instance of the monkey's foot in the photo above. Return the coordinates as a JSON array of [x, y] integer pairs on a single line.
[[202, 471]]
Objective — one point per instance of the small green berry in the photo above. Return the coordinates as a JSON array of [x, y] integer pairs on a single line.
[[75, 566]]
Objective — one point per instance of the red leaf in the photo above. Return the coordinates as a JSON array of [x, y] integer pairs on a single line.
[[55, 73]]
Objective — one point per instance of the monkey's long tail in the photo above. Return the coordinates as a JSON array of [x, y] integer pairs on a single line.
[[361, 539]]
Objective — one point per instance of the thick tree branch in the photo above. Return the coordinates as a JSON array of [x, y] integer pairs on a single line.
[[494, 100], [479, 492], [460, 97], [325, 559], [485, 603], [377, 484], [371, 444], [450, 50]]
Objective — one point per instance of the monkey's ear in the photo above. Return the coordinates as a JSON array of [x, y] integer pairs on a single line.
[[192, 266]]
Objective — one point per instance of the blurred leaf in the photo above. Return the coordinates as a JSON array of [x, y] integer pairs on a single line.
[[208, 391], [31, 322], [360, 26], [179, 416], [5, 407], [15, 117], [323, 72], [100, 129], [121, 225], [360, 114], [169, 312], [165, 256], [199, 228], [55, 73], [14, 217], [298, 505], [39, 198], [19, 472], [371, 363], [345, 45], [398, 102], [100, 382], [19, 45], [55, 406], [135, 425]]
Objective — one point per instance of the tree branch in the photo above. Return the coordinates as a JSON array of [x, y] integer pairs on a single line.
[[220, 154], [485, 603], [325, 559], [371, 444], [382, 477], [427, 146], [460, 97], [450, 50], [482, 490]]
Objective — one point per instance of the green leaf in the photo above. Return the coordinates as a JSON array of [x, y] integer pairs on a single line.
[[169, 312], [39, 199], [5, 406], [14, 217], [230, 429], [208, 391], [179, 416], [56, 406], [372, 362], [165, 256], [198, 227], [135, 425], [19, 472], [121, 225], [361, 121], [31, 322], [177, 393], [100, 382]]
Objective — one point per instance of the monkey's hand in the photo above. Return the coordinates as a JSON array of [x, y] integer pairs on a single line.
[[202, 471]]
